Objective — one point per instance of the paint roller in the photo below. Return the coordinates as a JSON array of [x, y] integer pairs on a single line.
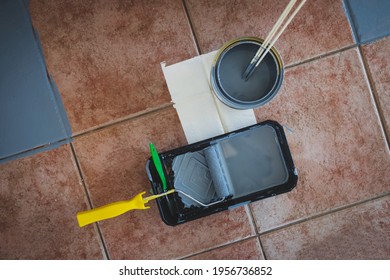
[[193, 180], [218, 171]]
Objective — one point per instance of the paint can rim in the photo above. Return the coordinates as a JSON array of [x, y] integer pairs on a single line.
[[229, 100]]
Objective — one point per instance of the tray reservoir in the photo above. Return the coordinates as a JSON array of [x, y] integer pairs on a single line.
[[225, 171]]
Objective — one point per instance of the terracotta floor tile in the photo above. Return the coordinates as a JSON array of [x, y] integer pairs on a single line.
[[360, 232], [39, 198], [113, 161], [378, 58], [334, 136], [105, 55], [243, 250], [320, 27]]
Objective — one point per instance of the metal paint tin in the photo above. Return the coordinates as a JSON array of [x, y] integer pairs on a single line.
[[229, 65]]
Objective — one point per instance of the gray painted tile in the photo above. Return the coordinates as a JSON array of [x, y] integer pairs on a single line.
[[31, 111], [370, 20]]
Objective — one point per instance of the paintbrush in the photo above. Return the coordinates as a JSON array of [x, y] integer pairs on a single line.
[[272, 38]]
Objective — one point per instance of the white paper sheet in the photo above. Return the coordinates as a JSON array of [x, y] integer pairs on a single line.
[[201, 113]]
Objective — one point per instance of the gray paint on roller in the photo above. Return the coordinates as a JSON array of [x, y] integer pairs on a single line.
[[192, 176], [370, 20], [218, 172], [32, 116]]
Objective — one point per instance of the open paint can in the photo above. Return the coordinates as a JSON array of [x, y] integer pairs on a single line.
[[229, 65]]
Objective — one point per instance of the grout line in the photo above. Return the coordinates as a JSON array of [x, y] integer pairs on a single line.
[[252, 217], [81, 176], [125, 119], [44, 146], [322, 56], [335, 210], [30, 150], [353, 25], [91, 130], [252, 221], [262, 248], [169, 105], [374, 40], [86, 192], [218, 247], [102, 242], [196, 42], [374, 94]]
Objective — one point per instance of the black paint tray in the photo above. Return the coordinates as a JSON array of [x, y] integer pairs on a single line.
[[255, 162]]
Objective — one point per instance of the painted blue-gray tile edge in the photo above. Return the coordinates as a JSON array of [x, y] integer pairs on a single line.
[[47, 147], [54, 99], [347, 12], [361, 36], [63, 118], [61, 109]]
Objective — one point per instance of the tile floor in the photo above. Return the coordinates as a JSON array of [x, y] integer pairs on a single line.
[[105, 58]]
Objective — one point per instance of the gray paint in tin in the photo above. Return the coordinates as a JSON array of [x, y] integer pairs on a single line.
[[232, 89], [234, 62]]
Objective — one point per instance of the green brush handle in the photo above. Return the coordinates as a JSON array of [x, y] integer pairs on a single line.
[[158, 165]]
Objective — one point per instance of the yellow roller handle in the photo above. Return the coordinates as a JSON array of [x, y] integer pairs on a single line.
[[116, 208]]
